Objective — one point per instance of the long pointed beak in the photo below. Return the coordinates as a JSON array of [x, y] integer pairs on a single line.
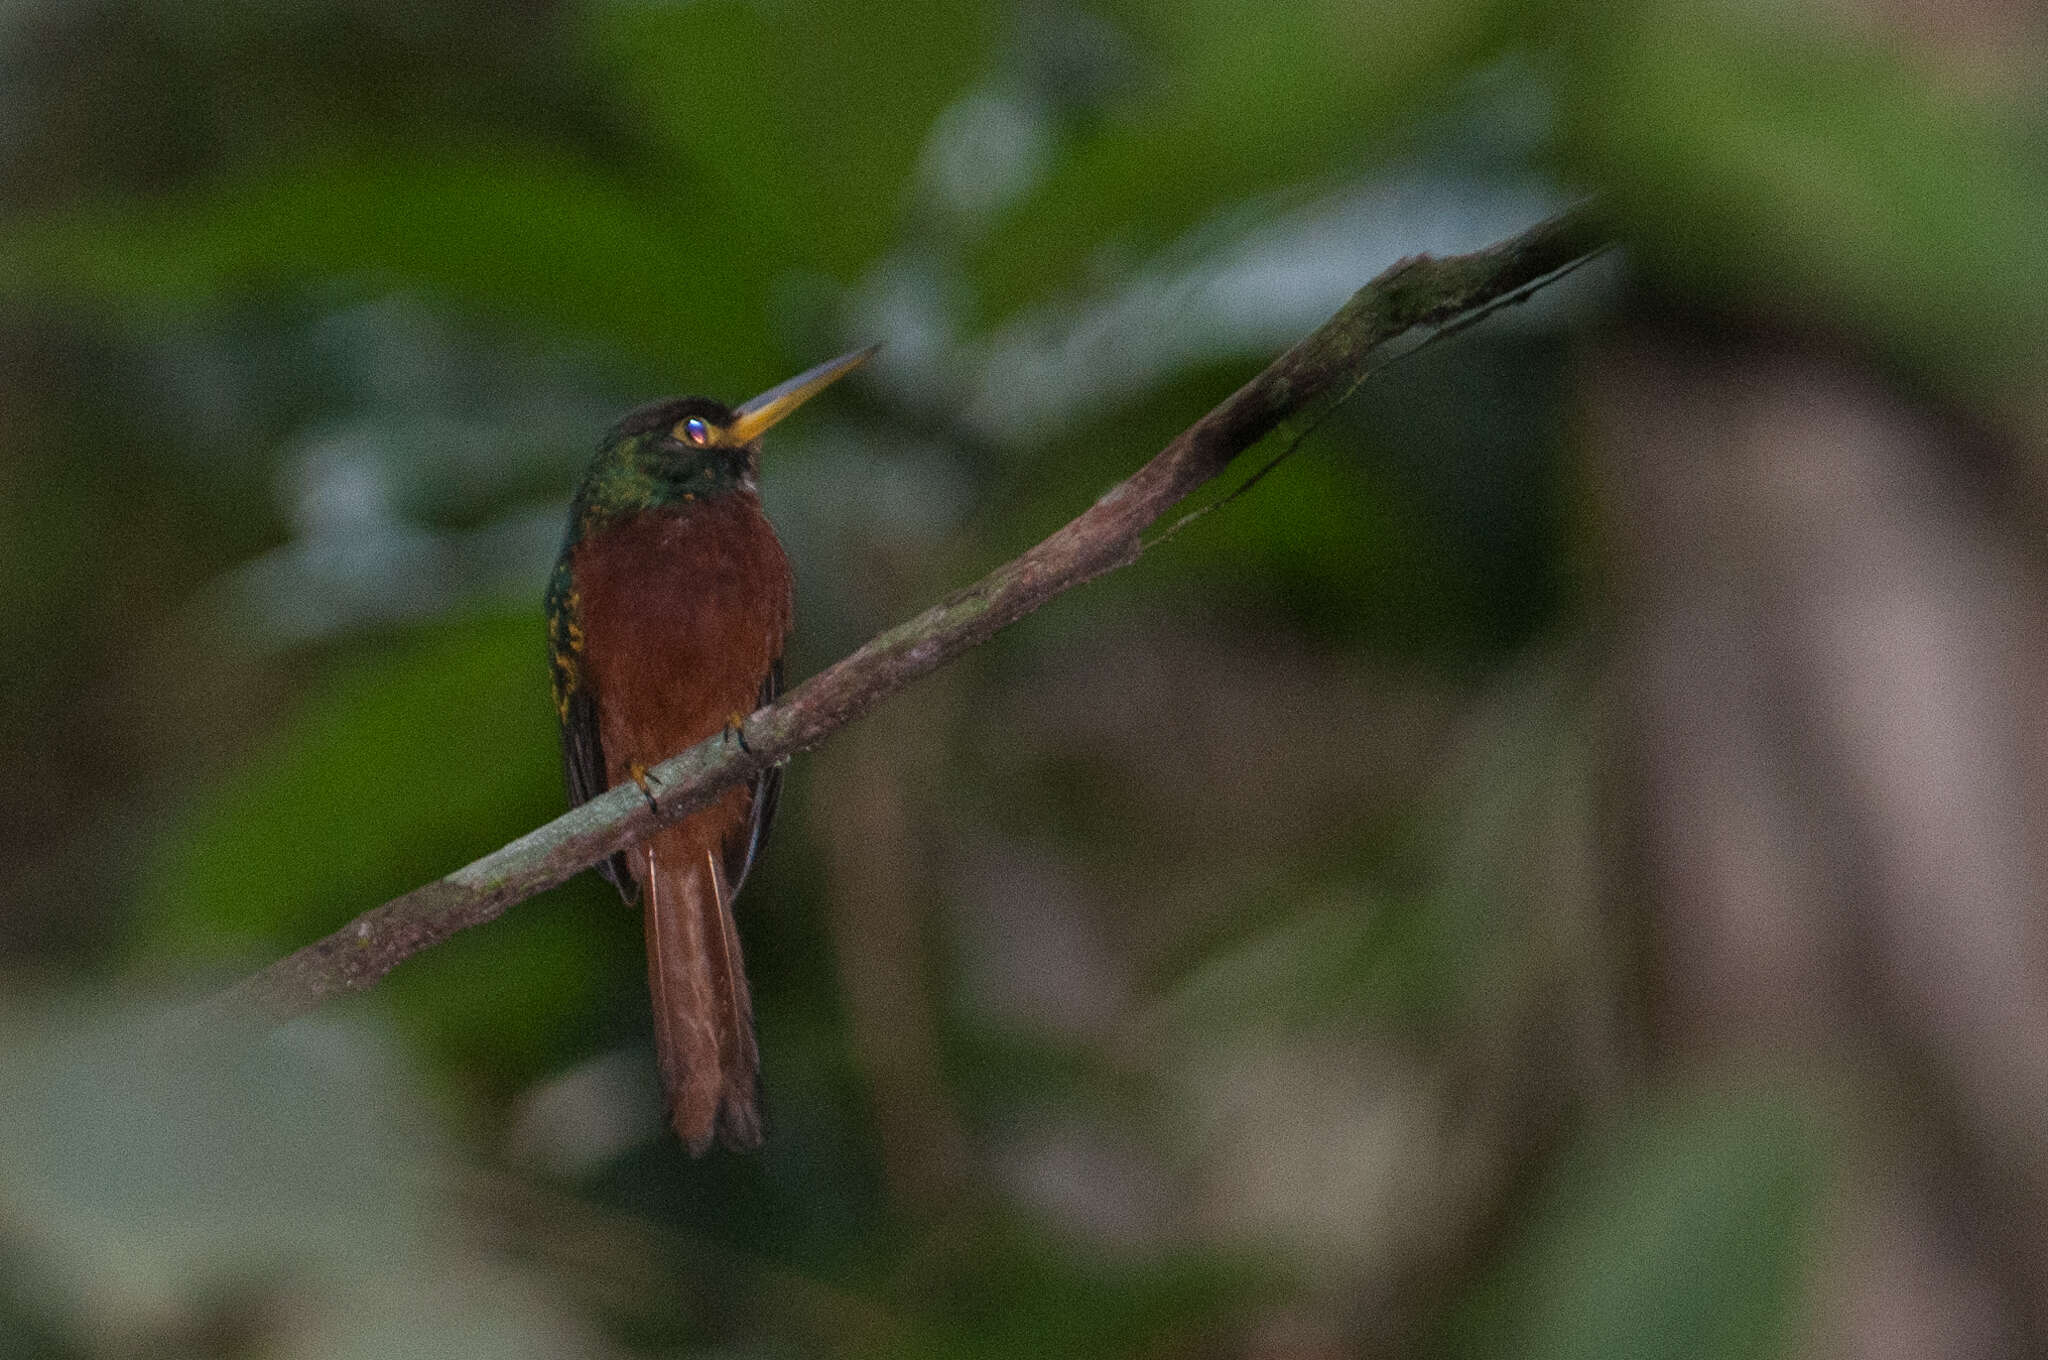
[[778, 401]]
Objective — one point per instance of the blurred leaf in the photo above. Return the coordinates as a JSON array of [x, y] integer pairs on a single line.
[[1228, 107], [520, 233], [137, 95], [801, 121], [1366, 959], [1335, 540], [1422, 519], [1755, 153], [794, 137], [403, 768], [1682, 1233], [1468, 933], [173, 1186], [1017, 1294]]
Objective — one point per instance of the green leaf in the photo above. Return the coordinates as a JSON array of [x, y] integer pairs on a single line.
[[1684, 1233], [804, 122], [402, 768], [1226, 109], [166, 1179], [1754, 155], [522, 234]]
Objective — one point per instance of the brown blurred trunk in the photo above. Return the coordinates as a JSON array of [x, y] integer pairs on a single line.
[[1833, 641], [867, 809]]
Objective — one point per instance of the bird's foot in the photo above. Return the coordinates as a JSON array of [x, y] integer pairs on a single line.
[[735, 730], [646, 783]]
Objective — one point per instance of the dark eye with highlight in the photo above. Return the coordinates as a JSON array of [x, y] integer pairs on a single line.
[[695, 430]]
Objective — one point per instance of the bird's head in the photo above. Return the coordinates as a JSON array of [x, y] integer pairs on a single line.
[[694, 447]]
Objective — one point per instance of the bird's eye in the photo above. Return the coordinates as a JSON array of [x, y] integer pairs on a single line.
[[697, 431]]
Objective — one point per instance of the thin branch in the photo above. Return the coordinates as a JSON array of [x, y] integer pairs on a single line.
[[1325, 408], [1420, 291]]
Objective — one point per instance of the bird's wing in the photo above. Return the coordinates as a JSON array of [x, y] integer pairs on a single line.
[[576, 707], [742, 847]]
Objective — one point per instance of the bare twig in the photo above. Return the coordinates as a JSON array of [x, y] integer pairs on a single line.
[[1419, 291]]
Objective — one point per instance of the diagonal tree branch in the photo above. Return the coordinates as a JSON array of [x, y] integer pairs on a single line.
[[1418, 291]]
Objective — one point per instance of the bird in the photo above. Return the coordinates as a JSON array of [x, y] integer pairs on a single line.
[[667, 614]]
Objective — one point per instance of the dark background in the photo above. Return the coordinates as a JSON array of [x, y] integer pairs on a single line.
[[1550, 872]]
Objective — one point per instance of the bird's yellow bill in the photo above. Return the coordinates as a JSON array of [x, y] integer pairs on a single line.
[[778, 401]]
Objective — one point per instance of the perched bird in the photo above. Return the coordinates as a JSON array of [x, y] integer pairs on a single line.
[[667, 613]]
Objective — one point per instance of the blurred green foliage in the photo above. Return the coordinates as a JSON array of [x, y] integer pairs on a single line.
[[1684, 1232], [377, 785], [1255, 948], [1867, 196]]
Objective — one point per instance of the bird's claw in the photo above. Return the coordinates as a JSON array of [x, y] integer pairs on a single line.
[[646, 783], [735, 730]]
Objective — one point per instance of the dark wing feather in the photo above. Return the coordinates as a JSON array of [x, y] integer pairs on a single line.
[[576, 707], [583, 770], [741, 850]]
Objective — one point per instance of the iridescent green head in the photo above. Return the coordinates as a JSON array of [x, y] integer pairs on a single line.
[[690, 448]]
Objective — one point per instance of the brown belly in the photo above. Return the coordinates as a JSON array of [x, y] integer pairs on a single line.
[[684, 612]]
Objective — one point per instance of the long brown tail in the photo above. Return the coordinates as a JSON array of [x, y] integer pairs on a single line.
[[703, 1015]]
